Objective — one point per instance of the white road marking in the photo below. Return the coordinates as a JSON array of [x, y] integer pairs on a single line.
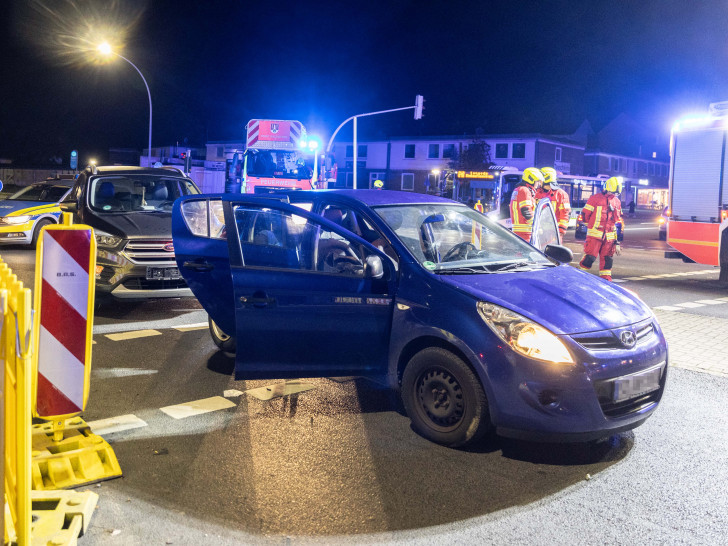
[[690, 304], [198, 407], [618, 280], [133, 334], [196, 326], [116, 424], [279, 390], [669, 308], [111, 373], [232, 393], [711, 302]]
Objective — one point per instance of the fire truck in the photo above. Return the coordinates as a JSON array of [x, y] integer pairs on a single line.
[[697, 225], [273, 158]]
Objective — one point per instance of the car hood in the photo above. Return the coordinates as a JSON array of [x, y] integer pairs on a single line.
[[9, 207], [563, 299], [133, 225]]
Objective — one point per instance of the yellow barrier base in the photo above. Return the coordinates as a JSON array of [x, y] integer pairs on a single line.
[[80, 458], [60, 517]]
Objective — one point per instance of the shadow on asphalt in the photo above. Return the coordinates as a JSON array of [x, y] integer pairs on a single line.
[[143, 310], [340, 459]]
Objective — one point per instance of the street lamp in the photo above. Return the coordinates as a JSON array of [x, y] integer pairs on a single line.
[[313, 145], [105, 49]]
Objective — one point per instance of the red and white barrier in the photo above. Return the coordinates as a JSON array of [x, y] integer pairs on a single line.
[[64, 301]]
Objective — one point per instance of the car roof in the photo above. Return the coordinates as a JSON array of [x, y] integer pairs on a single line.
[[130, 169], [372, 198]]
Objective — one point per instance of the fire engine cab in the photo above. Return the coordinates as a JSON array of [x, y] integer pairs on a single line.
[[273, 158]]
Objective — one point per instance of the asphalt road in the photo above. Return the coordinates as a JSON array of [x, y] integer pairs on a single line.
[[339, 463]]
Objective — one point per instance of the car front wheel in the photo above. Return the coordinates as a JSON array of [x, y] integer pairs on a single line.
[[444, 398], [222, 340]]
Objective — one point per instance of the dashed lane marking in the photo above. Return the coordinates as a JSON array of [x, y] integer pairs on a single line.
[[689, 305], [198, 407], [116, 424], [133, 334], [710, 302]]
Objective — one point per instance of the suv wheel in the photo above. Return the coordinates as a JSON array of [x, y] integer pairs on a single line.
[[222, 340], [444, 398]]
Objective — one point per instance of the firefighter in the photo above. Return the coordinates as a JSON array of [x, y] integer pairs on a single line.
[[559, 198], [378, 184], [602, 213], [523, 202]]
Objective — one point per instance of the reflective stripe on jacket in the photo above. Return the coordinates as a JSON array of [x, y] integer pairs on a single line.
[[601, 213], [522, 197]]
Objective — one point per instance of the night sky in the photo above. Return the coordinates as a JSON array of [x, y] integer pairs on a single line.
[[496, 66]]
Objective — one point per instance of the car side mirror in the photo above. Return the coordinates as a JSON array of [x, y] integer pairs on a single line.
[[559, 253], [374, 267], [69, 206]]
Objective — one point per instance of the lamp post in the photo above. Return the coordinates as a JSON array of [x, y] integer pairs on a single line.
[[105, 49]]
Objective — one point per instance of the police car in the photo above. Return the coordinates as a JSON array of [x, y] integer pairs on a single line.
[[24, 213], [476, 328]]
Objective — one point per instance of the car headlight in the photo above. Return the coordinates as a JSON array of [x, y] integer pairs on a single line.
[[15, 220], [106, 240], [524, 335]]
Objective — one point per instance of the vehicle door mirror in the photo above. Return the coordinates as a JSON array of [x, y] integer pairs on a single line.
[[374, 267], [559, 253]]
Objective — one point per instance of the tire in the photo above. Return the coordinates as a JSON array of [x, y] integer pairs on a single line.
[[222, 340], [36, 232], [444, 398]]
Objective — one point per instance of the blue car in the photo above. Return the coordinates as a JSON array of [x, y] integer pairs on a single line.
[[477, 329]]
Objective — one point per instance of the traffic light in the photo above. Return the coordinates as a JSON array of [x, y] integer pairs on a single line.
[[419, 106], [183, 155], [188, 160]]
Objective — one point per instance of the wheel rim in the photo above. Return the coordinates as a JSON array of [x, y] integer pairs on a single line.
[[219, 334], [440, 399]]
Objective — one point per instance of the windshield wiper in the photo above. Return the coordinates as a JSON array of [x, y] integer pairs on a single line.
[[519, 265], [463, 270]]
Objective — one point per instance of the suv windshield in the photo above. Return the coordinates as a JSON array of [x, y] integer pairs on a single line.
[[457, 239], [40, 192], [137, 193]]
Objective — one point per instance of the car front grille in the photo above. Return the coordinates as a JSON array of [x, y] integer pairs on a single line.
[[137, 283], [143, 251], [609, 340]]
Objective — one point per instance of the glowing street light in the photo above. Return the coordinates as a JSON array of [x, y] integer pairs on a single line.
[[105, 49]]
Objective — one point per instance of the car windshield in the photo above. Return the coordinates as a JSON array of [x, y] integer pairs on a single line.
[[47, 193], [137, 193], [456, 239]]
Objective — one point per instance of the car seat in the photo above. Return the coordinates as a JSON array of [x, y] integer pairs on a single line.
[[106, 196]]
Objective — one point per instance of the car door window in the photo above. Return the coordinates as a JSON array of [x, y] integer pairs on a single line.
[[276, 239], [545, 228]]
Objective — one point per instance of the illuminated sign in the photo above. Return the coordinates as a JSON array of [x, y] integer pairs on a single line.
[[476, 174], [644, 182]]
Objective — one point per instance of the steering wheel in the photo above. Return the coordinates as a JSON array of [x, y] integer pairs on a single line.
[[348, 264], [459, 251]]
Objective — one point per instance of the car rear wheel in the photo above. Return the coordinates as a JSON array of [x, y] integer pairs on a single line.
[[36, 232], [222, 340], [444, 398]]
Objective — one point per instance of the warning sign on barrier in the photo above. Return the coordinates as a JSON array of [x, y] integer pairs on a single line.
[[64, 300]]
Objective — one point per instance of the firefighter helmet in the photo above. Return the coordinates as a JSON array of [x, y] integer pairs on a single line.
[[613, 185], [378, 184], [549, 176], [532, 176]]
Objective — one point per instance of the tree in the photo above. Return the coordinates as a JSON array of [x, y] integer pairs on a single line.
[[476, 157]]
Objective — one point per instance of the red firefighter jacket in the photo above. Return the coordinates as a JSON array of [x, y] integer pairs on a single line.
[[601, 213]]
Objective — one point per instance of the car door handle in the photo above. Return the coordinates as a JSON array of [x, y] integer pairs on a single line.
[[257, 301], [198, 266]]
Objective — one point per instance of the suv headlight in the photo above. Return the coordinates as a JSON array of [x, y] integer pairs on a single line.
[[107, 241], [16, 220], [524, 335]]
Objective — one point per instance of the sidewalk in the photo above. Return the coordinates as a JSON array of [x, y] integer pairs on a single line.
[[695, 342]]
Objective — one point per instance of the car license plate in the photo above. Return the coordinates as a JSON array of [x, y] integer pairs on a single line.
[[162, 273], [632, 386]]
